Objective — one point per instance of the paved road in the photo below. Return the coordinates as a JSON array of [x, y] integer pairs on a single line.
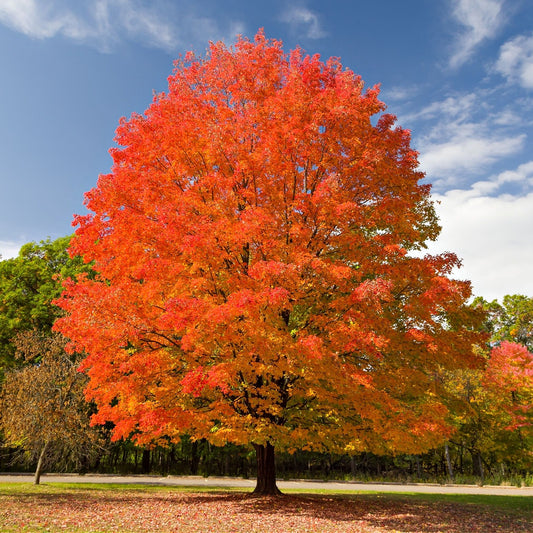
[[250, 483]]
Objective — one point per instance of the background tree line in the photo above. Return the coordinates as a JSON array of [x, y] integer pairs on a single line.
[[44, 418]]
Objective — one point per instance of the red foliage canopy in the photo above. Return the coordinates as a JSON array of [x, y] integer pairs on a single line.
[[509, 377], [256, 281]]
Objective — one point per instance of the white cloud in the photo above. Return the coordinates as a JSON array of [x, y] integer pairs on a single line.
[[399, 93], [466, 154], [507, 117], [301, 18], [9, 249], [481, 20], [515, 61], [453, 107], [466, 134], [34, 19], [101, 23], [147, 24], [491, 234], [522, 176]]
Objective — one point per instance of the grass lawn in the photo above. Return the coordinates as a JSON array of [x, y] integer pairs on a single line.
[[140, 508]]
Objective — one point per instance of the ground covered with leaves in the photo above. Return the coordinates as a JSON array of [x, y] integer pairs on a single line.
[[128, 510]]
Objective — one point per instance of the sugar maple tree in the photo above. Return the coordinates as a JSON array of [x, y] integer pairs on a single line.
[[492, 408], [509, 375], [255, 278]]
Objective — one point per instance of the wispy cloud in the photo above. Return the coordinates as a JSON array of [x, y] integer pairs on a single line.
[[104, 23], [466, 154], [479, 20], [521, 179], [303, 20], [453, 107], [399, 93], [515, 61], [34, 19], [465, 136], [118, 19]]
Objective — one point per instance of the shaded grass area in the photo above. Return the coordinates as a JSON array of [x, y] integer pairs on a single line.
[[506, 503], [98, 508]]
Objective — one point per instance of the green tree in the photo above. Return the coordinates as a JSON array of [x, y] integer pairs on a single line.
[[488, 403], [42, 406], [512, 320], [28, 284]]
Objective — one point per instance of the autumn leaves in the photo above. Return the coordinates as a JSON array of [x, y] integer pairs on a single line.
[[254, 282]]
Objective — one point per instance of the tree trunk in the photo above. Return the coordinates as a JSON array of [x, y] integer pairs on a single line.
[[195, 458], [266, 470], [145, 462], [418, 467], [480, 466], [40, 462], [477, 465], [449, 462]]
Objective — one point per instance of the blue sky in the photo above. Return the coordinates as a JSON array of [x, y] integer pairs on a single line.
[[457, 73]]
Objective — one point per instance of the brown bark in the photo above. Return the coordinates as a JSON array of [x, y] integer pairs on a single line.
[[448, 462], [266, 470], [146, 461], [40, 462]]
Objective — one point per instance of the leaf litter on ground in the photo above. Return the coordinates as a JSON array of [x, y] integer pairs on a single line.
[[143, 511]]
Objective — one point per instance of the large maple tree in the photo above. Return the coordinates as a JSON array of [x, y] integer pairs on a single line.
[[260, 277]]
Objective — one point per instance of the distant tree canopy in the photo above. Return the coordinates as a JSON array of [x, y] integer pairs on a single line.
[[42, 406], [492, 407], [511, 320], [28, 285]]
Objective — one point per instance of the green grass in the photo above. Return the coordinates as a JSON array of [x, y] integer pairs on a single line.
[[59, 488], [518, 503], [522, 504], [504, 503]]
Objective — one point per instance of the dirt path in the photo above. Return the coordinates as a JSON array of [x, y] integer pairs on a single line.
[[250, 483]]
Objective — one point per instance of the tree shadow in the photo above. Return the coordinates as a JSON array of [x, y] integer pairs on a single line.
[[373, 511], [406, 514]]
